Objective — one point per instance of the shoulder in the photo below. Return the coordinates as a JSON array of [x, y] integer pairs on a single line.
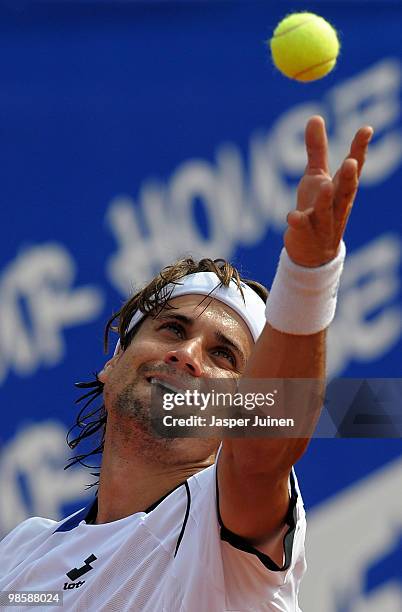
[[26, 538], [22, 540], [27, 529]]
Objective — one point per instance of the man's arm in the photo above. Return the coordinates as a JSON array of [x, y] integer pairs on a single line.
[[253, 473]]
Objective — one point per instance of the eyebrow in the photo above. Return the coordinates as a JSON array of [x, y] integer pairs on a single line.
[[220, 336]]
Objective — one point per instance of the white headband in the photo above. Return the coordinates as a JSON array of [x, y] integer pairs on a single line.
[[251, 309]]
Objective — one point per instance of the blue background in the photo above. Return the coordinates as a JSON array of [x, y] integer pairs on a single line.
[[99, 100]]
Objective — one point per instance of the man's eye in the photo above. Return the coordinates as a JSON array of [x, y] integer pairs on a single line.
[[227, 355], [175, 327]]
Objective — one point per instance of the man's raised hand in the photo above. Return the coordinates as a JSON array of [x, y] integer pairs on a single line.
[[316, 227]]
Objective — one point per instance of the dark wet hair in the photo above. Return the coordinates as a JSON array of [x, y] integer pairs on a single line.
[[151, 299]]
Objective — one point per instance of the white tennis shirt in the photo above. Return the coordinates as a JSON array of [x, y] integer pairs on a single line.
[[176, 557]]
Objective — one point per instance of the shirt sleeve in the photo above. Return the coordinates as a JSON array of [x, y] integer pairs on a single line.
[[268, 583], [239, 576]]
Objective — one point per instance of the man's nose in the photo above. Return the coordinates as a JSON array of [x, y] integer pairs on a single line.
[[186, 357]]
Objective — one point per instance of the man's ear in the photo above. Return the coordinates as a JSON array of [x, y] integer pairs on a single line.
[[108, 367]]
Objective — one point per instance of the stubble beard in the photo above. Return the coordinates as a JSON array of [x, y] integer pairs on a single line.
[[133, 425], [133, 422]]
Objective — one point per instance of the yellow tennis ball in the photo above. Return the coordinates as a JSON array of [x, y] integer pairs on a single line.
[[304, 46]]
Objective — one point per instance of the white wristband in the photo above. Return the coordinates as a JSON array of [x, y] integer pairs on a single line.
[[302, 300]]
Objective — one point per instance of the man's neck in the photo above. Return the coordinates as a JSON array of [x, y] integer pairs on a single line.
[[131, 481]]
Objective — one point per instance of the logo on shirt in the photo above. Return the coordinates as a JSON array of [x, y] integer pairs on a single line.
[[77, 572]]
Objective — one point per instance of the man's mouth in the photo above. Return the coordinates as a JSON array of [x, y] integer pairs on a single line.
[[164, 385]]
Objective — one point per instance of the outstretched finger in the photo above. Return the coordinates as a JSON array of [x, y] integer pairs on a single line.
[[316, 145], [345, 191], [359, 146]]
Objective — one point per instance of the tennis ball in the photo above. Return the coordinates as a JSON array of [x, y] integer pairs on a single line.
[[304, 46]]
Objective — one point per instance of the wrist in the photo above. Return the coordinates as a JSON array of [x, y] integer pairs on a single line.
[[302, 300]]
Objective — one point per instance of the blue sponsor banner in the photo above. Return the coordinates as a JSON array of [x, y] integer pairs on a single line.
[[134, 133]]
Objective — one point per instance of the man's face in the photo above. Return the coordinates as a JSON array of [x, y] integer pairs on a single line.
[[199, 338]]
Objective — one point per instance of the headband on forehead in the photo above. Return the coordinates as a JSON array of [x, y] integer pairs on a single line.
[[251, 309]]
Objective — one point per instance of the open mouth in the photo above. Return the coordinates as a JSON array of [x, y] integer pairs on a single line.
[[165, 386]]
